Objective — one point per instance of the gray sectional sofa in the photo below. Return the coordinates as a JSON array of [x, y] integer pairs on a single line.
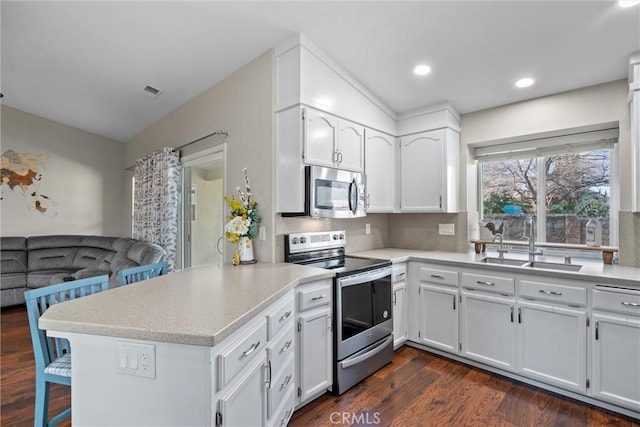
[[37, 261]]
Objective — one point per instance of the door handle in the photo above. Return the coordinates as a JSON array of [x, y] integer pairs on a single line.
[[357, 359], [218, 247]]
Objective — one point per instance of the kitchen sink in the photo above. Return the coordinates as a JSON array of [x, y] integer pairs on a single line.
[[502, 261], [553, 266]]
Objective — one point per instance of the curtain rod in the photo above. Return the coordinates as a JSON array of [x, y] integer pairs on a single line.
[[218, 132]]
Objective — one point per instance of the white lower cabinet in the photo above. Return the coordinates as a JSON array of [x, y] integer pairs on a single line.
[[400, 320], [255, 369], [552, 345], [488, 329], [615, 344], [314, 347], [438, 317], [248, 392]]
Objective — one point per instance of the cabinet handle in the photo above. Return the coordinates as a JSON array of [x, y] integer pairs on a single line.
[[285, 347], [394, 298], [399, 275], [285, 316], [511, 313], [480, 282], [286, 417], [340, 157], [335, 156], [251, 350], [544, 291], [519, 315], [435, 276], [454, 301], [286, 382], [318, 298], [597, 329], [440, 202], [630, 304]]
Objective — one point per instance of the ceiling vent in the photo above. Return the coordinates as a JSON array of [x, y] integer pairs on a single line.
[[151, 91]]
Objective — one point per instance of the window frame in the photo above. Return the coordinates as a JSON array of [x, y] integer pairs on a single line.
[[614, 198]]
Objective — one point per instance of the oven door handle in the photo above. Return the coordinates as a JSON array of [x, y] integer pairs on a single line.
[[369, 354], [365, 277]]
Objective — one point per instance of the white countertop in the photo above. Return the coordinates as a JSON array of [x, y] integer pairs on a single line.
[[591, 271], [197, 306]]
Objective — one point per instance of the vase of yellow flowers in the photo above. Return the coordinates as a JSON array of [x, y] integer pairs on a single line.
[[243, 223]]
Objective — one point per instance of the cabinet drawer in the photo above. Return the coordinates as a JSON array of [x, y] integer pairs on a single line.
[[570, 295], [441, 277], [280, 348], [282, 417], [399, 272], [500, 285], [280, 385], [280, 317], [314, 297], [622, 301], [232, 360]]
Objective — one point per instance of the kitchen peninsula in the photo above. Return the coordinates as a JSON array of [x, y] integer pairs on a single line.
[[195, 338]]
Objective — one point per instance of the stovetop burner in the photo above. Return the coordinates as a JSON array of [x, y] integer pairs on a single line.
[[326, 249]]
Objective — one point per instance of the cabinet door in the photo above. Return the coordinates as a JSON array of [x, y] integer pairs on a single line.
[[488, 329], [314, 353], [320, 143], [350, 146], [552, 345], [400, 320], [421, 172], [380, 167], [439, 317], [249, 391], [615, 369]]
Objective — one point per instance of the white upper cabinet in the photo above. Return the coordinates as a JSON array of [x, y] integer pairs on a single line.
[[429, 171], [320, 138], [350, 146], [332, 142], [380, 167]]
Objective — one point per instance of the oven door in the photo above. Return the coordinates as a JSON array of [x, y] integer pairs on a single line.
[[335, 193], [363, 310]]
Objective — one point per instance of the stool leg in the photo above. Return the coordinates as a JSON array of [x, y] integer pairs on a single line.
[[42, 403]]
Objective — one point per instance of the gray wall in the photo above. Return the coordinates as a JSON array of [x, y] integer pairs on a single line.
[[83, 177], [242, 104]]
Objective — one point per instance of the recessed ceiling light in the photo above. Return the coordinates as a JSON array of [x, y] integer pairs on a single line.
[[628, 3], [422, 70], [526, 82]]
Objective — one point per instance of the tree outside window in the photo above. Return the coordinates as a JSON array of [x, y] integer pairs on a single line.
[[564, 190]]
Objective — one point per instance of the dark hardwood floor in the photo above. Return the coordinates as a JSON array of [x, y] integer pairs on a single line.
[[416, 389], [422, 389]]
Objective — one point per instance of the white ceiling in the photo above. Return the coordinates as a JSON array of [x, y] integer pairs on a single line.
[[85, 63]]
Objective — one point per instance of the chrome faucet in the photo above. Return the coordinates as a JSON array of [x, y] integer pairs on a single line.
[[529, 221], [501, 249]]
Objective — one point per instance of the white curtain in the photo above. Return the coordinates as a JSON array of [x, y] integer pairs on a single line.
[[155, 200]]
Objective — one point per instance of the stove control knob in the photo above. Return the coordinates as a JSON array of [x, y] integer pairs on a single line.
[[335, 237], [342, 237], [294, 240], [303, 240]]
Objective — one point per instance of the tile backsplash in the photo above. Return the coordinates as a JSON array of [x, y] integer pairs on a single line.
[[407, 231]]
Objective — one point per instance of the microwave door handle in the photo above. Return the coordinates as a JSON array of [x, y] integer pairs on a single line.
[[353, 197]]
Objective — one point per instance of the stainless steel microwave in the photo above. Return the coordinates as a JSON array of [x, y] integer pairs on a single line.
[[333, 193]]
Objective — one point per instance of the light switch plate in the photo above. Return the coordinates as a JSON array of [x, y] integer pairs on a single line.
[[137, 359], [447, 230], [367, 229]]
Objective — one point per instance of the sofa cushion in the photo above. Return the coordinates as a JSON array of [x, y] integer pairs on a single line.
[[13, 280], [52, 258], [146, 253], [60, 278], [89, 272], [13, 243], [90, 257], [54, 241], [40, 278], [13, 261]]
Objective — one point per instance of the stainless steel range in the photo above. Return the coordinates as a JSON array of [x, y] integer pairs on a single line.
[[363, 340]]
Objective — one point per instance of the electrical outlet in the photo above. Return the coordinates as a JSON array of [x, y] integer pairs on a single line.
[[137, 359], [447, 230], [367, 229]]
